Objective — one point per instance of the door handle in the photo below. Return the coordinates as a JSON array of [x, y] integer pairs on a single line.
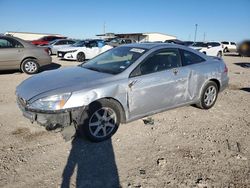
[[175, 71], [132, 83]]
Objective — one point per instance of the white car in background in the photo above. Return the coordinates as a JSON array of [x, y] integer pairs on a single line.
[[229, 46], [83, 50], [56, 45], [210, 48]]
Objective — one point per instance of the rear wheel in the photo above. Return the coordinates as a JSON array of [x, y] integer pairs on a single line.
[[80, 57], [100, 121], [225, 50], [219, 54], [30, 66], [208, 95]]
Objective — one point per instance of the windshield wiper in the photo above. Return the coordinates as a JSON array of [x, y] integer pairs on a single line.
[[93, 68], [101, 70]]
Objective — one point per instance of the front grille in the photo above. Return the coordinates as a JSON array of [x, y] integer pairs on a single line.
[[59, 52]]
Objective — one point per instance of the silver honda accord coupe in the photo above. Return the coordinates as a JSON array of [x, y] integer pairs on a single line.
[[121, 85]]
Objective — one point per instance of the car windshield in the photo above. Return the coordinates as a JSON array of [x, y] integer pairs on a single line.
[[115, 60], [115, 40], [79, 44]]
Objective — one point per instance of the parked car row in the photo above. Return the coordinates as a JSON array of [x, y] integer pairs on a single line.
[[86, 49], [209, 48]]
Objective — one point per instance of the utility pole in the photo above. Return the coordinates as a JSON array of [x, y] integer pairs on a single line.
[[195, 33], [204, 37], [104, 28]]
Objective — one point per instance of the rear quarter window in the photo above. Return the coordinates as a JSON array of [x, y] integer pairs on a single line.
[[190, 58]]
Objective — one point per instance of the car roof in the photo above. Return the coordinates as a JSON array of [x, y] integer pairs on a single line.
[[23, 42], [151, 45]]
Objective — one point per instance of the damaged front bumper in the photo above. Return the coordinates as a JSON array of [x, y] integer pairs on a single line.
[[51, 120]]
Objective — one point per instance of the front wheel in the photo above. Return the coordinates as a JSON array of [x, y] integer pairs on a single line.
[[30, 66], [208, 96], [100, 121], [80, 57]]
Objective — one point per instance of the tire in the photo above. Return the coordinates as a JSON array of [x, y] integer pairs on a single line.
[[80, 57], [225, 50], [100, 120], [30, 66], [208, 96], [219, 54]]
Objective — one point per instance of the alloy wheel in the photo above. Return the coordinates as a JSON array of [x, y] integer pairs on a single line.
[[102, 122], [210, 95]]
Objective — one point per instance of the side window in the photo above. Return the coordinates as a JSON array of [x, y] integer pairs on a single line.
[[100, 44], [123, 41], [160, 61], [189, 58], [233, 43], [128, 41], [61, 42], [5, 44], [70, 42], [10, 43], [213, 44], [91, 44]]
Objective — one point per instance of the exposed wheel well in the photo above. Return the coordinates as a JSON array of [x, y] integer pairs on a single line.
[[217, 83], [119, 105]]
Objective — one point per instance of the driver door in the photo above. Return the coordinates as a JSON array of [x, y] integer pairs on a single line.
[[159, 82]]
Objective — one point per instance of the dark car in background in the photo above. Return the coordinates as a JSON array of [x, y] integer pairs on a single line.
[[176, 41], [45, 40], [16, 53], [119, 41], [244, 48]]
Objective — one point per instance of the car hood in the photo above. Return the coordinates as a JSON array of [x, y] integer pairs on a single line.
[[60, 81], [196, 48], [70, 49]]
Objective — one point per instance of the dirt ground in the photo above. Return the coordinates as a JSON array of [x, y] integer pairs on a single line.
[[186, 147]]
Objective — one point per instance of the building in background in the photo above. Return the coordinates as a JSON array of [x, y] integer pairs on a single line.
[[140, 37], [29, 36]]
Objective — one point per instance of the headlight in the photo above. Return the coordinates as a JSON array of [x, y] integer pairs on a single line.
[[72, 51], [55, 102]]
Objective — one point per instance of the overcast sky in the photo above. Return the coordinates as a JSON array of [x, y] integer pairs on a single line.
[[216, 19]]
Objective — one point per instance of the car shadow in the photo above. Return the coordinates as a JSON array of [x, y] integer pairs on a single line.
[[243, 64], [93, 163], [48, 67], [246, 89], [51, 66], [10, 72]]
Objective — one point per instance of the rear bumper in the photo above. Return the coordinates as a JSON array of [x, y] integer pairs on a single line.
[[224, 83], [52, 119], [45, 61]]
